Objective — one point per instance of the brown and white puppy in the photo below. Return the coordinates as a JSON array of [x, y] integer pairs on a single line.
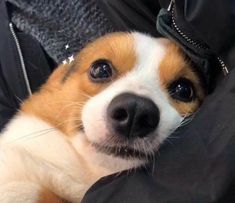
[[108, 111]]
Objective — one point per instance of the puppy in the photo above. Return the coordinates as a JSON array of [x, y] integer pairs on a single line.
[[107, 111]]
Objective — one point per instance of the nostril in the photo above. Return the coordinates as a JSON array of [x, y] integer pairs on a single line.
[[119, 114]]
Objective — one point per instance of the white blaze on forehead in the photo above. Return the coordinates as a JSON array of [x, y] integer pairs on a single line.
[[150, 52]]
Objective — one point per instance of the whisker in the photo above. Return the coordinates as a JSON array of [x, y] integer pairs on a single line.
[[32, 135]]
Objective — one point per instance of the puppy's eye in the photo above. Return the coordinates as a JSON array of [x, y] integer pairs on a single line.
[[101, 71], [182, 90]]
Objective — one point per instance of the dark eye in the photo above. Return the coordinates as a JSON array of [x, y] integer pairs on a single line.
[[101, 71], [182, 90]]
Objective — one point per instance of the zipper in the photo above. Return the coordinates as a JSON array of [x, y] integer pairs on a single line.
[[171, 8], [22, 63], [224, 67]]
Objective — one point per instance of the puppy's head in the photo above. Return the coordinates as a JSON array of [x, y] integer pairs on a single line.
[[121, 97]]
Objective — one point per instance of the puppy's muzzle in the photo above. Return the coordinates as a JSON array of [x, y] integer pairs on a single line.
[[132, 116]]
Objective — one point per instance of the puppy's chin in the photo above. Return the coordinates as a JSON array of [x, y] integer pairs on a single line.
[[108, 160], [123, 152]]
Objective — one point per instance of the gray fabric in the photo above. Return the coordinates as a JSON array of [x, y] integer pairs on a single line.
[[55, 23]]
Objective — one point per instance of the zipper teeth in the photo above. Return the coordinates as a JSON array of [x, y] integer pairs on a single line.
[[191, 41], [21, 59], [188, 39], [224, 67]]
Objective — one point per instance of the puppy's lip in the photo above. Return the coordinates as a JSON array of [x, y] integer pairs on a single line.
[[123, 152]]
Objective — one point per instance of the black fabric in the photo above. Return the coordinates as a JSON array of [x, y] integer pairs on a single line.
[[7, 102], [9, 88], [58, 23], [212, 22], [12, 83], [38, 64], [9, 57], [132, 15]]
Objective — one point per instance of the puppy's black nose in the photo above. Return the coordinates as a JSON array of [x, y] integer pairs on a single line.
[[132, 116]]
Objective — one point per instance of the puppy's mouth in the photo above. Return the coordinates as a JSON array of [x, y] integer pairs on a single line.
[[123, 152]]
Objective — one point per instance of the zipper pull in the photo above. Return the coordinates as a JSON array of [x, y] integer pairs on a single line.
[[170, 5]]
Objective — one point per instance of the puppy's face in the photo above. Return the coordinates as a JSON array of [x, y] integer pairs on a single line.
[[127, 93]]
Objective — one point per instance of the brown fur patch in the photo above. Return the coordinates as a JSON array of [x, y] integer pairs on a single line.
[[175, 66], [60, 100], [48, 197]]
